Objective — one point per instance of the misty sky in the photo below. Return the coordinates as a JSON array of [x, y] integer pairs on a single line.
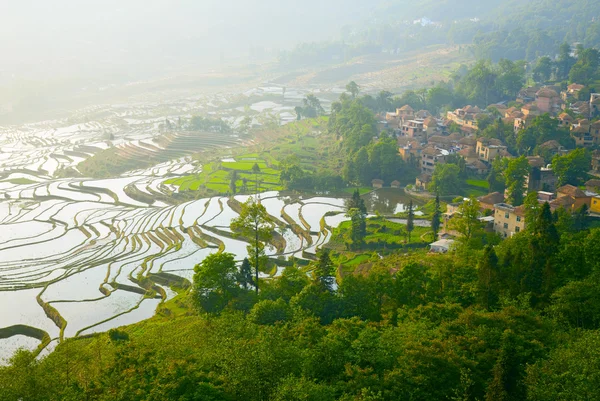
[[65, 37]]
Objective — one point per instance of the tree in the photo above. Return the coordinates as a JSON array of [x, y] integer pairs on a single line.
[[359, 226], [571, 371], [244, 277], [298, 110], [565, 61], [467, 222], [256, 171], [515, 175], [543, 69], [323, 272], [445, 179], [356, 202], [267, 312], [353, 88], [215, 282], [410, 221], [312, 107], [506, 384], [488, 278], [572, 168], [232, 182], [436, 218], [254, 224]]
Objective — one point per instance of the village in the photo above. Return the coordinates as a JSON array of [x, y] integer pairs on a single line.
[[429, 142]]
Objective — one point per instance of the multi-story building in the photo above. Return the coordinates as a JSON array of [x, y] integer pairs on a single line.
[[430, 157], [508, 220], [466, 117], [488, 149], [414, 129], [548, 100], [410, 150], [541, 179]]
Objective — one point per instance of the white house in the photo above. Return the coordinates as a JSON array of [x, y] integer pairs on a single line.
[[441, 246]]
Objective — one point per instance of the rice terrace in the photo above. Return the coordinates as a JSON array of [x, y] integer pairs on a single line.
[[106, 214]]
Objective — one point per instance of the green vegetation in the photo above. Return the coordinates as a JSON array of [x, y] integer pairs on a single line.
[[21, 181], [216, 177], [398, 326]]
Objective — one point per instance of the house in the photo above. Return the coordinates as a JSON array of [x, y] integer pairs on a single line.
[[527, 95], [430, 125], [468, 154], [422, 182], [405, 112], [541, 179], [595, 204], [596, 161], [430, 157], [580, 198], [580, 131], [422, 114], [565, 120], [488, 149], [593, 185], [377, 183], [531, 110], [478, 167], [508, 220], [410, 150], [552, 148], [441, 246], [521, 123], [544, 196], [572, 92], [565, 202], [414, 129], [582, 108], [536, 161], [395, 184], [489, 201], [465, 117], [548, 100], [594, 104], [441, 142]]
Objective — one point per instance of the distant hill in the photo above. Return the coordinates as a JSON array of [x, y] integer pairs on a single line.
[[513, 29]]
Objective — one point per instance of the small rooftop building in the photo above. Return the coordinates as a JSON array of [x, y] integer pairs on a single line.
[[442, 246]]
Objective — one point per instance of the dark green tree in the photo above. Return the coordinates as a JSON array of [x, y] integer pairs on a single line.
[[254, 224], [436, 218], [323, 272], [215, 282], [410, 221], [488, 279]]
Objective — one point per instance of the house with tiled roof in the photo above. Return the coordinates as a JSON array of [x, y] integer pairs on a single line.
[[466, 117], [377, 183], [527, 95], [548, 100], [478, 167], [409, 149], [596, 161], [593, 185], [489, 148], [580, 197], [572, 92], [488, 201], [565, 120], [422, 182], [552, 148], [430, 157]]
